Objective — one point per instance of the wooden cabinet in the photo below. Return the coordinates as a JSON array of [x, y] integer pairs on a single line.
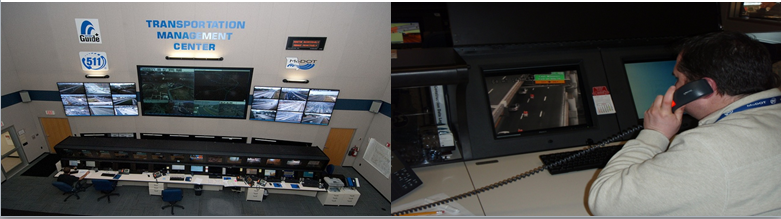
[[346, 196]]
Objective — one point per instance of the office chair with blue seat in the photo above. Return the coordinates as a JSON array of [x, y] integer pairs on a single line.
[[172, 196], [68, 189], [329, 170], [106, 187]]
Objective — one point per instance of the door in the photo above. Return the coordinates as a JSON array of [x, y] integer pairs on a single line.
[[337, 143], [56, 130], [12, 157]]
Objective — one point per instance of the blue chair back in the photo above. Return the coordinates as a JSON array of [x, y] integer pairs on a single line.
[[172, 195], [63, 186], [103, 185], [330, 169]]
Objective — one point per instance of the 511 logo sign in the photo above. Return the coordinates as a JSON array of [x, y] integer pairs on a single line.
[[93, 61]]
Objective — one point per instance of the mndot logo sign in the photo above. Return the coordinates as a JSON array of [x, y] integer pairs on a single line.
[[295, 63], [88, 30], [93, 61]]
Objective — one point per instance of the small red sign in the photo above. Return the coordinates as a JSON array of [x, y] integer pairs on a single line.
[[599, 90], [387, 144]]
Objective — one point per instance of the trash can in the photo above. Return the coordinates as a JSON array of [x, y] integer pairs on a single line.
[[198, 190]]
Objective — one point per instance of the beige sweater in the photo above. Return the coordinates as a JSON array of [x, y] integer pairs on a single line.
[[729, 167]]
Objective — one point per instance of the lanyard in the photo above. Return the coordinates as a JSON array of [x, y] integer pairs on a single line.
[[755, 104]]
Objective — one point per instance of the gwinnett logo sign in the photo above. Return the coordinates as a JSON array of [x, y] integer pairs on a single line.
[[88, 31], [295, 63]]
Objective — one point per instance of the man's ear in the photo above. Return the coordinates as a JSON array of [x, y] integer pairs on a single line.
[[713, 86]]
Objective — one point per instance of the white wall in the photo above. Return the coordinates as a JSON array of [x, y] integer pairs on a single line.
[[380, 131], [40, 49]]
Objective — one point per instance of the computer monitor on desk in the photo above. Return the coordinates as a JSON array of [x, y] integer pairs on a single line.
[[90, 164], [73, 163], [233, 171], [177, 168], [196, 169]]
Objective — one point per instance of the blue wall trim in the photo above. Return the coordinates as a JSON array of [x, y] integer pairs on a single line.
[[42, 95]]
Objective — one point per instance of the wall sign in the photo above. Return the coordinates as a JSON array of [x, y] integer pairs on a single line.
[[295, 63], [93, 61], [88, 30], [209, 35], [305, 43]]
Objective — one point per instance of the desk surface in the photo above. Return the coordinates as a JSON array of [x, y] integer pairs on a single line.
[[541, 194], [196, 180]]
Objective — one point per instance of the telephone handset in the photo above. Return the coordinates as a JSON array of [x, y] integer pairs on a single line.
[[690, 92], [519, 176]]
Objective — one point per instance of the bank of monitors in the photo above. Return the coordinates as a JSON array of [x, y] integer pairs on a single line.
[[534, 99], [215, 92], [293, 105], [98, 99], [648, 79]]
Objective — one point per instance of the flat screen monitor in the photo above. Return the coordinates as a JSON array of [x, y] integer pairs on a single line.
[[288, 173], [124, 166], [273, 162], [196, 157], [293, 105], [196, 169], [216, 92], [309, 174], [313, 163], [177, 167], [293, 162], [251, 171], [214, 159], [235, 160], [270, 173], [98, 99], [90, 163], [534, 100], [647, 80], [253, 160], [233, 171], [73, 163]]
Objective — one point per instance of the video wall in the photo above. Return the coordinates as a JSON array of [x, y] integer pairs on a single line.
[[215, 92], [293, 105], [98, 99]]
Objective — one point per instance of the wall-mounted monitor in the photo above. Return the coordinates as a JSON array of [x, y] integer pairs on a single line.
[[273, 162], [313, 163], [293, 162], [98, 99], [234, 160], [215, 92], [196, 157], [293, 105], [253, 160]]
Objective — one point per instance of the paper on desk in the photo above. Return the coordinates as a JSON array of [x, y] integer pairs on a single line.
[[229, 182], [82, 172], [198, 180], [451, 208], [214, 181]]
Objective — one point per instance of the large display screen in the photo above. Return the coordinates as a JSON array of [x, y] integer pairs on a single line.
[[647, 80], [98, 99], [534, 100], [214, 92], [293, 105]]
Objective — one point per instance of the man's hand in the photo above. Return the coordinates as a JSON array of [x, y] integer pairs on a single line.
[[660, 116]]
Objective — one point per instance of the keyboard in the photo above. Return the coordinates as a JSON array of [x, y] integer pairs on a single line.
[[107, 174], [310, 183], [177, 178], [290, 180], [597, 158], [273, 180]]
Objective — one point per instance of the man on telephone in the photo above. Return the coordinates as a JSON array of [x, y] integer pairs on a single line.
[[728, 165]]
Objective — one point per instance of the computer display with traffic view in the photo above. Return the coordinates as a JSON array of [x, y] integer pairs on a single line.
[[216, 92], [98, 99], [293, 105], [534, 100]]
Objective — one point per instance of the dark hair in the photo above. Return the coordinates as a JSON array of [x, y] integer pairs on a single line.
[[738, 63], [66, 170]]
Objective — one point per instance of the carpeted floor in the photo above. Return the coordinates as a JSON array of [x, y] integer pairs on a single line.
[[44, 167]]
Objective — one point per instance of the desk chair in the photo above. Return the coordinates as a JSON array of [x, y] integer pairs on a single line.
[[329, 170], [172, 196], [106, 187], [68, 189]]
